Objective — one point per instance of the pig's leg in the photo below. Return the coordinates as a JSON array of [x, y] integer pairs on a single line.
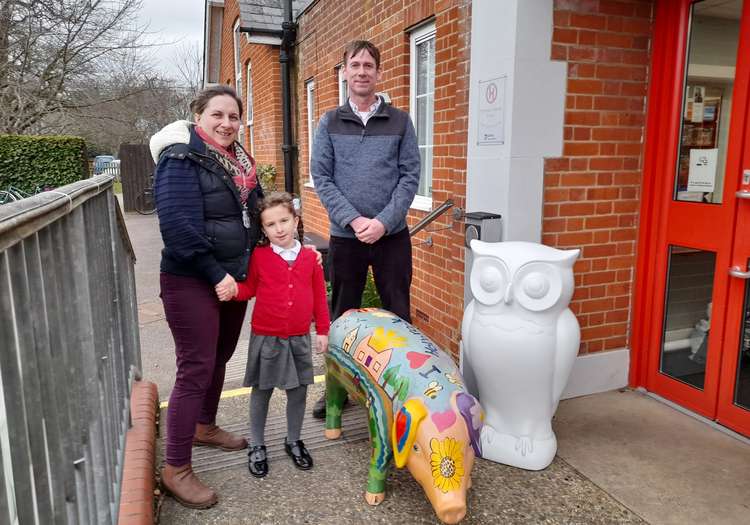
[[381, 457], [335, 399]]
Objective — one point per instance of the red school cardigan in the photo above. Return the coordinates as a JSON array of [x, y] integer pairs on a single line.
[[287, 297]]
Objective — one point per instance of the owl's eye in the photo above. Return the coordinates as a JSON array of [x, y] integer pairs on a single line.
[[536, 285], [491, 279]]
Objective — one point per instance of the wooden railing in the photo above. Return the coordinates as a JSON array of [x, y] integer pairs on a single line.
[[69, 351]]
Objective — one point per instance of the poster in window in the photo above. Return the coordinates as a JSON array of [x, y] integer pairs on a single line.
[[702, 172], [491, 108]]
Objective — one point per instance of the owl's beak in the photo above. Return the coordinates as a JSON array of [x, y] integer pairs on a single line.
[[508, 298]]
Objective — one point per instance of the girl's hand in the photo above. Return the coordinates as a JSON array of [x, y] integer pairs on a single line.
[[318, 255], [226, 289], [321, 344]]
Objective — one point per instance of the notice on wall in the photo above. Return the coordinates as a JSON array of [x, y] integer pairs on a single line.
[[491, 109], [702, 173]]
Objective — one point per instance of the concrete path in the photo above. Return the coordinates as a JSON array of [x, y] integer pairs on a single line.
[[623, 457]]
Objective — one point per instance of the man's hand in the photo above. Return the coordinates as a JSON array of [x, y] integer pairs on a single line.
[[359, 224], [374, 231], [226, 289], [321, 344], [318, 255]]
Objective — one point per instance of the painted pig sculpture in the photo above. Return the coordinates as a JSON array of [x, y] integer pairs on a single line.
[[419, 411]]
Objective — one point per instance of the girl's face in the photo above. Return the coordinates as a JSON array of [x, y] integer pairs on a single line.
[[279, 225], [220, 119]]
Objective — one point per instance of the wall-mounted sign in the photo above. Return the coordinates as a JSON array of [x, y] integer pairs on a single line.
[[491, 111], [702, 173]]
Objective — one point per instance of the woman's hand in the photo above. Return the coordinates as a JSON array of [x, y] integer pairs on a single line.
[[226, 289], [318, 255], [321, 344]]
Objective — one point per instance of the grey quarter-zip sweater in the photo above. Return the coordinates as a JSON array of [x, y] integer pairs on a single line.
[[365, 170]]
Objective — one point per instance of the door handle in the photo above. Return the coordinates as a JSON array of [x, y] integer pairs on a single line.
[[736, 271], [742, 194]]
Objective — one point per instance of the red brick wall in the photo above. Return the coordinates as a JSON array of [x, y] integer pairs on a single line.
[[592, 193], [437, 290]]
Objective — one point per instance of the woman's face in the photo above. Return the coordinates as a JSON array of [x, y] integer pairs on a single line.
[[221, 119]]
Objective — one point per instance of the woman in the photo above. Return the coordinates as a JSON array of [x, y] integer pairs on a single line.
[[206, 195]]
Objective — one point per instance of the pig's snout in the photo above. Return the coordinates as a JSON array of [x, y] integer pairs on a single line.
[[452, 514]]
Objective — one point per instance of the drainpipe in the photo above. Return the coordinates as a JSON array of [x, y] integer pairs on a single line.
[[286, 56]]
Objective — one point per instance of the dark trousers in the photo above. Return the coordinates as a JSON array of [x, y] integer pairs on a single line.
[[205, 333], [390, 258]]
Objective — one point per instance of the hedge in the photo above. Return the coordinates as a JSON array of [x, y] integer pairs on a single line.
[[31, 162]]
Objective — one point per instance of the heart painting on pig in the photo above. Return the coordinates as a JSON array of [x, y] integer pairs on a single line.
[[420, 414]]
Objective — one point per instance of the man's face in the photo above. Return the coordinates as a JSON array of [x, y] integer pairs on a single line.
[[361, 74]]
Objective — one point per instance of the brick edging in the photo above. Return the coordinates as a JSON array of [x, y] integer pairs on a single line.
[[138, 479]]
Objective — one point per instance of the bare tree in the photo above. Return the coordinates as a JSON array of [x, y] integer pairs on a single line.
[[58, 55], [189, 63]]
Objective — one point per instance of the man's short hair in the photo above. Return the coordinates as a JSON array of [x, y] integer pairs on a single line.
[[355, 47]]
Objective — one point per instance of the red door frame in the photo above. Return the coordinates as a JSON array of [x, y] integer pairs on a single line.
[[711, 227]]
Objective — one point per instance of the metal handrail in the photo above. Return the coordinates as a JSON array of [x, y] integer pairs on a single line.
[[431, 217]]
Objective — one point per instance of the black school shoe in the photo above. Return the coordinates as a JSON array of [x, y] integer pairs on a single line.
[[257, 463], [299, 454]]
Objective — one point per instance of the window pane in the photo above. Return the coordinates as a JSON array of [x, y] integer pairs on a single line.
[[707, 99], [249, 108], [425, 66], [425, 180], [687, 314], [742, 382]]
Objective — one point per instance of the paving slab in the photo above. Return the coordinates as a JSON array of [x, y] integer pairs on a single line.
[[669, 467]]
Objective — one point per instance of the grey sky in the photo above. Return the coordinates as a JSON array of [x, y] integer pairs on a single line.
[[177, 21]]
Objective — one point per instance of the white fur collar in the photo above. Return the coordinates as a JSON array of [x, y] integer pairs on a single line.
[[177, 132]]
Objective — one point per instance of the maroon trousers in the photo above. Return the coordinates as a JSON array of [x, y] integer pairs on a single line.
[[205, 333]]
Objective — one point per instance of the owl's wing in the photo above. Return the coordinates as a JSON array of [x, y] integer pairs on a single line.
[[568, 335], [464, 361]]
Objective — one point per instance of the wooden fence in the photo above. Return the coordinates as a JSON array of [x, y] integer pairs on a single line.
[[69, 351], [136, 168]]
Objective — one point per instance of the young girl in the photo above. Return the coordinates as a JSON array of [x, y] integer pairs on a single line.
[[289, 291]]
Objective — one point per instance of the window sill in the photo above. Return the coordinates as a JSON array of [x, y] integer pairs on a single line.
[[422, 203]]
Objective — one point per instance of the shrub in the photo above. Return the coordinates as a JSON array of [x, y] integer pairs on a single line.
[[266, 176], [28, 162], [370, 297]]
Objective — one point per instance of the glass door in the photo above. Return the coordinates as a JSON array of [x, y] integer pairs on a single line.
[[698, 345]]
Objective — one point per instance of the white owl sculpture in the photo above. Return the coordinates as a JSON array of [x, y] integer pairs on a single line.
[[519, 344]]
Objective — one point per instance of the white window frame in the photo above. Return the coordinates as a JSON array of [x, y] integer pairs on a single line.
[[343, 87], [310, 101], [237, 64], [416, 37], [249, 108]]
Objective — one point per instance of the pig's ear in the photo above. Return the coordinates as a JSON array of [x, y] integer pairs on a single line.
[[405, 429], [472, 413]]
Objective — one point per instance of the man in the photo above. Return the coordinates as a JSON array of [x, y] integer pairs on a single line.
[[365, 166]]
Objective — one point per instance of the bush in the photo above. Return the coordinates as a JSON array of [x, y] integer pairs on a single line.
[[370, 297], [266, 176], [28, 162]]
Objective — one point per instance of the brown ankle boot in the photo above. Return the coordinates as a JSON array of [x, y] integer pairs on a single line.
[[185, 487], [213, 436]]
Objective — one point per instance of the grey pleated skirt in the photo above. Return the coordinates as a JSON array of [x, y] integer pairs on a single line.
[[277, 362]]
